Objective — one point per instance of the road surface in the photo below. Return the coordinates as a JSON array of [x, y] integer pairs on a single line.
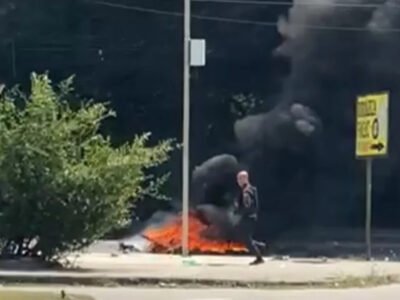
[[386, 293]]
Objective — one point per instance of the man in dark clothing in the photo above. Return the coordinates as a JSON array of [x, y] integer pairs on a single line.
[[247, 207]]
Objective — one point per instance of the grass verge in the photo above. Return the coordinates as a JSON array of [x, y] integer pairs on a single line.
[[15, 295], [341, 283]]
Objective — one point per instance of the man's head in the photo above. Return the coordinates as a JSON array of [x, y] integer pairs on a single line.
[[242, 178]]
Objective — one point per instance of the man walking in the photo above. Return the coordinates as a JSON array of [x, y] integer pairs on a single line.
[[247, 206]]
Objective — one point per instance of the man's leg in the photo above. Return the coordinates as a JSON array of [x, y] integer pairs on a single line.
[[251, 243], [255, 250]]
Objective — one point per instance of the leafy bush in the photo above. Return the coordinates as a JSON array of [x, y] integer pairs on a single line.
[[61, 181]]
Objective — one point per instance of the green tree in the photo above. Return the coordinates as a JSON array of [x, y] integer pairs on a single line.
[[62, 182]]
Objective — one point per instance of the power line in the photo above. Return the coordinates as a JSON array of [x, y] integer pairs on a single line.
[[237, 21], [137, 8], [70, 49], [288, 3], [179, 14]]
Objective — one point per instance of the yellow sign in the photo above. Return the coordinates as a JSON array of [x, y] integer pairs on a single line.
[[372, 125]]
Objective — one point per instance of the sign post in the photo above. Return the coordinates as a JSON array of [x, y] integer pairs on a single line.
[[371, 142], [368, 209]]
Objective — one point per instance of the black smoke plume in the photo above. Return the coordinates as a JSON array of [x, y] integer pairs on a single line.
[[301, 153], [281, 128], [214, 179], [337, 53]]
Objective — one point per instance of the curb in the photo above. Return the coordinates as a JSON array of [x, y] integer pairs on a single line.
[[145, 281], [103, 281]]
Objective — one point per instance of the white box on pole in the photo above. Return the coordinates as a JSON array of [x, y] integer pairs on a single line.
[[197, 53]]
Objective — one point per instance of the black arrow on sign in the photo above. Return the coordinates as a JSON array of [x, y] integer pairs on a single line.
[[377, 146]]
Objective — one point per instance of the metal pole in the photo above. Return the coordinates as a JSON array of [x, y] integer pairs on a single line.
[[368, 207], [13, 60], [186, 126]]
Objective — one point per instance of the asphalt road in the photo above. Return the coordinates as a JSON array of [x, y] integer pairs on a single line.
[[387, 293], [388, 247]]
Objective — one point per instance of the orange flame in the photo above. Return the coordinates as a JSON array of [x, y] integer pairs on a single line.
[[167, 239]]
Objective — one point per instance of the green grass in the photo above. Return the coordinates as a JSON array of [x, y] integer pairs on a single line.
[[6, 295]]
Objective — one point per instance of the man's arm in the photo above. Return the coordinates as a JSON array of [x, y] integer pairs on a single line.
[[249, 201], [236, 205]]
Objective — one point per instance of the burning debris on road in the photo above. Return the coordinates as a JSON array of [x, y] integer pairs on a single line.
[[212, 224], [167, 237]]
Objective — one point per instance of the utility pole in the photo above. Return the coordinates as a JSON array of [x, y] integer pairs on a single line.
[[186, 128]]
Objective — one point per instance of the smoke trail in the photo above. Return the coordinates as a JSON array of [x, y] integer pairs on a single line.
[[212, 181], [348, 52], [222, 221], [280, 128], [386, 16]]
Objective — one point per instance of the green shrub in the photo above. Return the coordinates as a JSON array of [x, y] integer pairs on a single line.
[[61, 181]]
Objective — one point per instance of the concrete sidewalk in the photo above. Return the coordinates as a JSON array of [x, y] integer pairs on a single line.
[[155, 268]]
